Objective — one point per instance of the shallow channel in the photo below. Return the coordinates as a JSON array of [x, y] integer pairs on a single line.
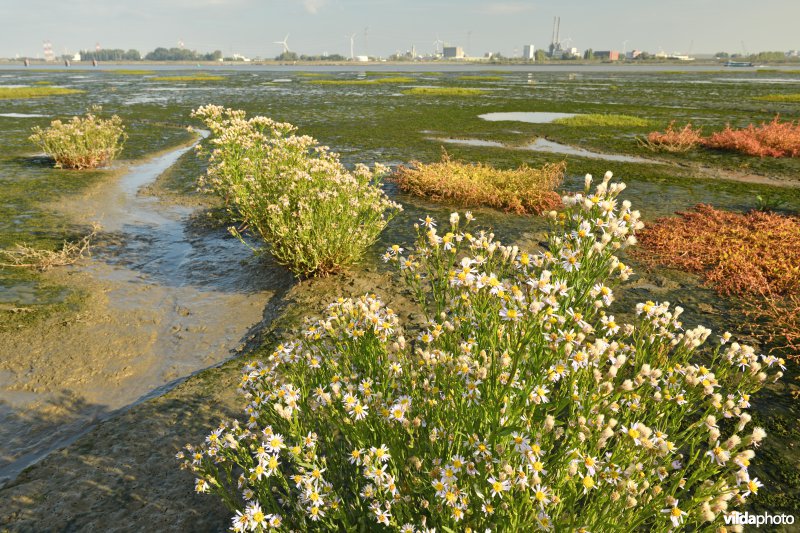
[[162, 294]]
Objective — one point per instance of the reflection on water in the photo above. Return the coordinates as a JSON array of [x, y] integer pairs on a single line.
[[469, 142], [17, 293], [21, 115], [543, 145], [532, 117]]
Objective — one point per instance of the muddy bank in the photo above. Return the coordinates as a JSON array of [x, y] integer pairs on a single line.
[[123, 476], [159, 293]]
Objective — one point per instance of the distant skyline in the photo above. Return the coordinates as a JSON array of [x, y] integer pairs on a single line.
[[384, 27]]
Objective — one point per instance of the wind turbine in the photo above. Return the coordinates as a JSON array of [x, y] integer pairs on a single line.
[[284, 43], [625, 47], [352, 38]]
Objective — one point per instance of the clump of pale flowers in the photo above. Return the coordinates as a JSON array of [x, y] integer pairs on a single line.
[[520, 403], [292, 194]]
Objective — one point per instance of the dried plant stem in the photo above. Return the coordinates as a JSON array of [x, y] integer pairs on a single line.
[[25, 256]]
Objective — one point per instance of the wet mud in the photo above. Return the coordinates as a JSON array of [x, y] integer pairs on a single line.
[[159, 292]]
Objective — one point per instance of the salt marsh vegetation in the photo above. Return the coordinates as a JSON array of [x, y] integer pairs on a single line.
[[369, 124]]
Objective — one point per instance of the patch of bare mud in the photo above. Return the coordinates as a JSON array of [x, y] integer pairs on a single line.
[[123, 476], [747, 177]]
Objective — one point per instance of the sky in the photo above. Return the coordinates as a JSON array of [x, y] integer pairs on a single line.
[[383, 27]]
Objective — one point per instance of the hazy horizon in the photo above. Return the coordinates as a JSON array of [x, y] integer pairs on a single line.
[[384, 27]]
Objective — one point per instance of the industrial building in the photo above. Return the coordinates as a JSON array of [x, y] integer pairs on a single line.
[[609, 55], [529, 52], [453, 52]]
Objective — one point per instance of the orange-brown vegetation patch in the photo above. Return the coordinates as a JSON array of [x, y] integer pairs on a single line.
[[753, 256], [673, 139], [773, 139]]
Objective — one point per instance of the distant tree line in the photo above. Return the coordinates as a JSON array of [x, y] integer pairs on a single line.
[[293, 56], [181, 54], [159, 54], [111, 54]]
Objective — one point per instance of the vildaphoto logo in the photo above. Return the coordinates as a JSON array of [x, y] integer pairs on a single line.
[[765, 519]]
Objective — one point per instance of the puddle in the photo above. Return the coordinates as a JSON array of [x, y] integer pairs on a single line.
[[21, 115], [159, 291], [534, 117], [25, 293], [543, 145], [469, 142]]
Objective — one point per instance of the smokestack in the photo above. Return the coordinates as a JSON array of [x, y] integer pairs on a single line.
[[558, 31]]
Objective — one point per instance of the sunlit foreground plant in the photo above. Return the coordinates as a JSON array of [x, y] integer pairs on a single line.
[[521, 404], [83, 142], [754, 256], [522, 190], [292, 193]]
